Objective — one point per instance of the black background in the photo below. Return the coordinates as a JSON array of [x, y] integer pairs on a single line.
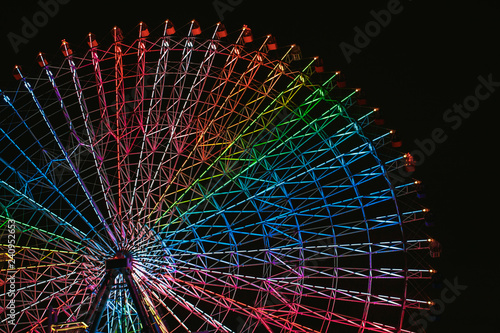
[[426, 59]]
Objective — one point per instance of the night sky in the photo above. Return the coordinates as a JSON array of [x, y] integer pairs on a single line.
[[431, 68]]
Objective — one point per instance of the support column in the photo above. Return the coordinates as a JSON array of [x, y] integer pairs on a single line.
[[121, 263]]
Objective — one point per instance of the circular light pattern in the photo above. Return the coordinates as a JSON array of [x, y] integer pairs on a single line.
[[203, 181]]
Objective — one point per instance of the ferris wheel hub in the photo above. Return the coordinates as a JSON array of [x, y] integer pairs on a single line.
[[122, 259]]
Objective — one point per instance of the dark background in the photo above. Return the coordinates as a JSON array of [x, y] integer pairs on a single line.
[[426, 59]]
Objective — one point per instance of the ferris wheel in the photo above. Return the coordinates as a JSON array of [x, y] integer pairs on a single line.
[[182, 180]]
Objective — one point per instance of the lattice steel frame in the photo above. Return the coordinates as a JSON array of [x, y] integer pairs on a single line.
[[241, 183]]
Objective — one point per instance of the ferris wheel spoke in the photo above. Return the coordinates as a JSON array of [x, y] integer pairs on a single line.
[[150, 134], [187, 114], [34, 258], [50, 237], [61, 147], [318, 292], [230, 63], [309, 244], [239, 282], [180, 322], [252, 164], [37, 289], [312, 266], [138, 121], [99, 141], [315, 254], [344, 205], [64, 224], [175, 113], [120, 133], [180, 300], [97, 154], [152, 178], [265, 316], [40, 179], [312, 209], [205, 196]]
